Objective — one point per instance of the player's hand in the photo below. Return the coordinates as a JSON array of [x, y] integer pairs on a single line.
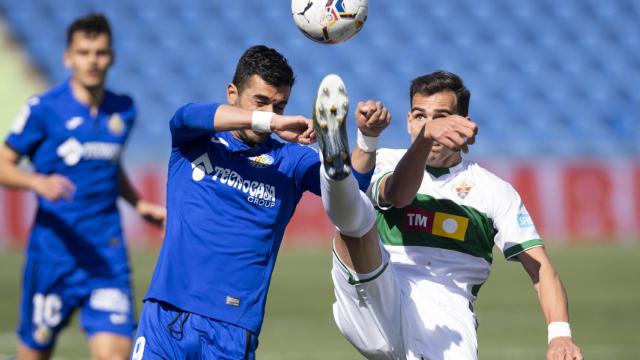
[[563, 348], [372, 117], [152, 213], [293, 129], [454, 132], [53, 187]]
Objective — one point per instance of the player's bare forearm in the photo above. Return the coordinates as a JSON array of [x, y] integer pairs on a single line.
[[547, 283], [289, 128], [363, 162], [126, 189], [52, 187], [400, 188], [153, 213], [553, 301], [10, 174], [371, 119], [229, 117]]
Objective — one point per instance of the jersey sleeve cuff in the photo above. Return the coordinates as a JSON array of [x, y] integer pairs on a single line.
[[376, 192], [201, 115], [515, 250], [13, 146]]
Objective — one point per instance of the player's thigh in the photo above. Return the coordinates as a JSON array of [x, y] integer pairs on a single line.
[[108, 309], [439, 325], [26, 353], [361, 254], [368, 308], [108, 346], [48, 300]]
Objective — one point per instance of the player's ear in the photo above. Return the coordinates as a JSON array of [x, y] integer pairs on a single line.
[[232, 94], [66, 58]]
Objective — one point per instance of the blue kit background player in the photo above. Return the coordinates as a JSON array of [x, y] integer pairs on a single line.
[[76, 257], [232, 189]]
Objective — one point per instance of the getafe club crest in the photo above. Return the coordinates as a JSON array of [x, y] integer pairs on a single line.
[[116, 124], [463, 188], [260, 161], [42, 335]]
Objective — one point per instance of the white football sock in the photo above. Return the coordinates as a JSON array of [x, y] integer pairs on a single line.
[[349, 209]]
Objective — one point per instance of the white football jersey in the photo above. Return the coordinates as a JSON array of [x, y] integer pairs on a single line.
[[446, 235]]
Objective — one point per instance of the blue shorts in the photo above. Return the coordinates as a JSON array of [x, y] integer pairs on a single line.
[[53, 291], [166, 332]]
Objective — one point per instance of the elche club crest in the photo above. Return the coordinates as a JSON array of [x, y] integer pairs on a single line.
[[463, 188], [260, 161]]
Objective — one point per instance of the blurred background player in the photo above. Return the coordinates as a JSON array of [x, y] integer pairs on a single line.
[[438, 218], [74, 135]]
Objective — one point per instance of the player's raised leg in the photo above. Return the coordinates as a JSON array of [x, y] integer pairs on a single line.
[[347, 207], [360, 266]]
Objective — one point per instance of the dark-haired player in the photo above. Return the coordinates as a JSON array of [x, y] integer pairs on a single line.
[[232, 189], [405, 288], [76, 256]]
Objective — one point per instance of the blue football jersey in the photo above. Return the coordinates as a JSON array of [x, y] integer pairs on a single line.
[[227, 208], [60, 136]]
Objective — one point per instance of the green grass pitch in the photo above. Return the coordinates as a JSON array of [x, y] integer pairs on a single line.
[[602, 283]]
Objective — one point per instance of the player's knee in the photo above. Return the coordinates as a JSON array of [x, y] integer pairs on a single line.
[[106, 347], [111, 354]]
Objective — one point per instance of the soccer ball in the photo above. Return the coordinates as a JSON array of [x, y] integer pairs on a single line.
[[329, 21]]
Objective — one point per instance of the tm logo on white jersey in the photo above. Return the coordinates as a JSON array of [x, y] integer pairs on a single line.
[[259, 193], [72, 151]]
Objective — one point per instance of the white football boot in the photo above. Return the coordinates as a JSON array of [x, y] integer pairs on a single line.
[[329, 115]]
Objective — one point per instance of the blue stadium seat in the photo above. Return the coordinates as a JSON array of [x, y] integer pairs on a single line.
[[548, 78]]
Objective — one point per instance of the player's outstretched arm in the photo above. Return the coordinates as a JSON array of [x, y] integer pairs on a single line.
[[289, 128], [371, 118], [153, 213], [199, 119], [400, 187], [52, 187], [553, 300]]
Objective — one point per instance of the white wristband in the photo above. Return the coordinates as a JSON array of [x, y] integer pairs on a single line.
[[368, 144], [261, 121], [558, 329]]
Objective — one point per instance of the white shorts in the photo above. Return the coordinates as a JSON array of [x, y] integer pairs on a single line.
[[387, 316]]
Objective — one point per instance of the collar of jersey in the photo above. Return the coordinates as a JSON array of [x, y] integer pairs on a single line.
[[69, 92], [236, 145], [437, 172]]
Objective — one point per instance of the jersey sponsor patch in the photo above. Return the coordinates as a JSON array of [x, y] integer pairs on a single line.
[[436, 223], [524, 220], [259, 193], [118, 318], [72, 151], [110, 300]]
